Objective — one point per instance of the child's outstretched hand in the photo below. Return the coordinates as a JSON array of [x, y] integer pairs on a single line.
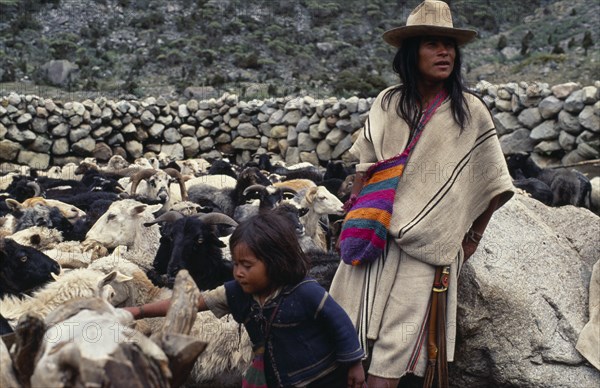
[[356, 375]]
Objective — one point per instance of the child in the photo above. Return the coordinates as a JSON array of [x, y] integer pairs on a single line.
[[311, 341]]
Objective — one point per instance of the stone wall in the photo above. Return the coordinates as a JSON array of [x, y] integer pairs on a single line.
[[559, 124]]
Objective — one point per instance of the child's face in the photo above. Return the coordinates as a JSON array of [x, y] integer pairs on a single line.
[[250, 272]]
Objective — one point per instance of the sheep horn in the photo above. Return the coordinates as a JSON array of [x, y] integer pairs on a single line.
[[256, 187], [287, 190], [170, 216], [37, 190], [177, 175], [216, 218], [138, 176]]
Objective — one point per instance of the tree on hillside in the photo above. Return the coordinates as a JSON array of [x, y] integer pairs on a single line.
[[502, 43], [587, 41], [525, 42], [557, 49]]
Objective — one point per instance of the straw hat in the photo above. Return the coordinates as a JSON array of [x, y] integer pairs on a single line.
[[429, 18]]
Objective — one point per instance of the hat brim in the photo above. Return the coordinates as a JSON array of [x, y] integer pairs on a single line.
[[395, 36]]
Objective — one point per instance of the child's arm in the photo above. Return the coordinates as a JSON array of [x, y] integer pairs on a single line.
[[347, 346], [159, 309], [356, 375]]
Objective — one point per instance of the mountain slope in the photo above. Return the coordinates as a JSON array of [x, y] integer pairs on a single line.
[[259, 48]]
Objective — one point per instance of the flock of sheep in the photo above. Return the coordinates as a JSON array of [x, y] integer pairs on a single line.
[[122, 232]]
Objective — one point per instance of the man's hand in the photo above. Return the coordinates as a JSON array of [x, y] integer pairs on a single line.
[[469, 247]]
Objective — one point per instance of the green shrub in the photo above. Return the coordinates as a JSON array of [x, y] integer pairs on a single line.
[[358, 82], [539, 58], [217, 80], [65, 47], [24, 21], [173, 57], [148, 21], [557, 49], [246, 61], [207, 57]]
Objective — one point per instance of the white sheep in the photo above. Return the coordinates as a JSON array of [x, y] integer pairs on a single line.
[[78, 283], [122, 224], [220, 181], [229, 350], [85, 340], [66, 172], [193, 167], [38, 237], [320, 203], [69, 254], [6, 180]]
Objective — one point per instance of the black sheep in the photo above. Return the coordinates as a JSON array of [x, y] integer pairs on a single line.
[[193, 243], [311, 172], [4, 326], [227, 199], [569, 187], [23, 268], [48, 216], [222, 167], [337, 169]]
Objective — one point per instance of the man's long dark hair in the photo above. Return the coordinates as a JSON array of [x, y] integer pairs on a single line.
[[406, 66]]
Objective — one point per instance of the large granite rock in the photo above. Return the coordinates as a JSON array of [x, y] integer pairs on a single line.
[[523, 299], [58, 72]]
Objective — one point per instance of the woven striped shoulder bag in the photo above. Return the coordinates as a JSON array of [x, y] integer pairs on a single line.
[[365, 229]]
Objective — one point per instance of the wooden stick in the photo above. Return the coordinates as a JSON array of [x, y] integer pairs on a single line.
[[584, 163], [183, 310]]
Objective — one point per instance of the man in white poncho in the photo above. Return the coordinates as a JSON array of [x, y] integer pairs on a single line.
[[455, 179]]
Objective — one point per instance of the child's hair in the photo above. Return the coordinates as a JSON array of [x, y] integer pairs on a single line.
[[272, 238]]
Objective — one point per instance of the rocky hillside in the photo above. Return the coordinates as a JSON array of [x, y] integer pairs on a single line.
[[257, 48]]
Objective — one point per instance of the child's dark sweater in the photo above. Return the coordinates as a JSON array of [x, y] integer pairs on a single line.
[[310, 335]]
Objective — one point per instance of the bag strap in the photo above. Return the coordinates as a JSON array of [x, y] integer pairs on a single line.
[[427, 114], [271, 319]]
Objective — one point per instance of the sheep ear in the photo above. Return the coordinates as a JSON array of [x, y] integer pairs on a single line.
[[114, 275], [107, 279], [13, 204], [122, 278], [137, 209], [310, 194]]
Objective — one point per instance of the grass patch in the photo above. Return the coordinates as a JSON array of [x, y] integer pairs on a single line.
[[539, 59]]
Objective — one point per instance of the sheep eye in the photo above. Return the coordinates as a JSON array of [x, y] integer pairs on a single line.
[[199, 241], [23, 259], [111, 217]]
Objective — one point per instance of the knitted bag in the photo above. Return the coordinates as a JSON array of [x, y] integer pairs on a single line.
[[365, 228], [255, 374]]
